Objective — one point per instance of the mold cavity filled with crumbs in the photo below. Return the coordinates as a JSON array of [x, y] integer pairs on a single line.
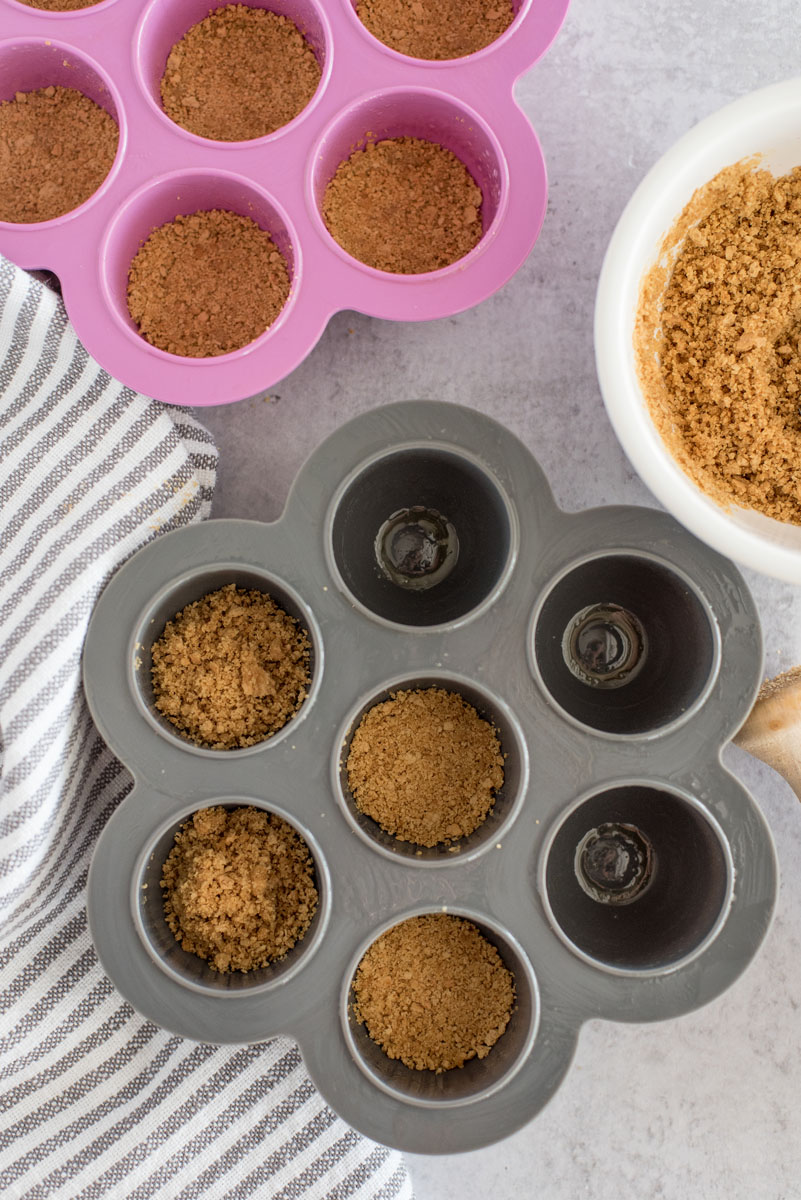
[[206, 284], [231, 669], [434, 993], [437, 197], [441, 30], [238, 887], [56, 148], [238, 74], [425, 766], [60, 5]]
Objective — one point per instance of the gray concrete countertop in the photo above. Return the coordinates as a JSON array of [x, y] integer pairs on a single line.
[[706, 1106]]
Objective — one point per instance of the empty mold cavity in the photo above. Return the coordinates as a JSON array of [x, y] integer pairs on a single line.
[[33, 63], [161, 202], [170, 601], [478, 1078], [638, 878], [384, 548], [508, 798], [625, 645], [165, 22], [189, 969], [420, 114]]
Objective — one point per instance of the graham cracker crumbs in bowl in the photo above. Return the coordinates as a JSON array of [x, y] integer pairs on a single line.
[[231, 669], [238, 887], [425, 766], [718, 340], [434, 993]]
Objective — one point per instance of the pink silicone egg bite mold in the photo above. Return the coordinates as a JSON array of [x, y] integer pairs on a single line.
[[115, 53]]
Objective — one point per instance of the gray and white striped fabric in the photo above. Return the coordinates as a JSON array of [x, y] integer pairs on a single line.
[[94, 1100]]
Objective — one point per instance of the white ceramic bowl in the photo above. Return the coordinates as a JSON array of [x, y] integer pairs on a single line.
[[765, 123]]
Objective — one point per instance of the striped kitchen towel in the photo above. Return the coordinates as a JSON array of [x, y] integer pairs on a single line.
[[94, 1100]]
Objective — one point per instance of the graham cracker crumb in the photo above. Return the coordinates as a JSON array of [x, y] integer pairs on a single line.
[[231, 669], [447, 29], [60, 5], [718, 340], [238, 888], [240, 73], [772, 687], [404, 205], [206, 284], [56, 148], [425, 766], [434, 993]]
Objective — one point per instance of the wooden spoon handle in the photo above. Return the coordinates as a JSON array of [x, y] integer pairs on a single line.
[[772, 731]]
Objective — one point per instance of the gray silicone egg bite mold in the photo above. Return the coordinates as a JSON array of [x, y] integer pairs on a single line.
[[622, 873]]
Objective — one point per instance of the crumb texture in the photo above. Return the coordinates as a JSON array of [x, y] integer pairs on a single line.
[[56, 148], [206, 284], [434, 993], [238, 888], [779, 683], [60, 5], [404, 205], [718, 340], [425, 766], [231, 669], [238, 74], [447, 29]]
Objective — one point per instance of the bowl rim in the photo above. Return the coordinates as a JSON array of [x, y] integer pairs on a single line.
[[635, 240]]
